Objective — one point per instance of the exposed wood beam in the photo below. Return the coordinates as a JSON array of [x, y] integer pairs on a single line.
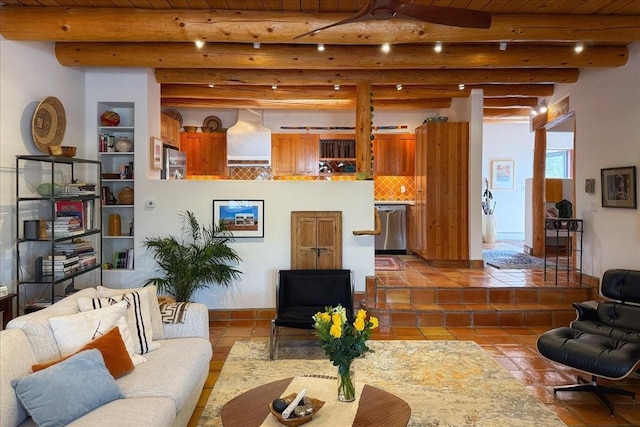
[[506, 113], [304, 104], [407, 77], [510, 102], [228, 55], [126, 24]]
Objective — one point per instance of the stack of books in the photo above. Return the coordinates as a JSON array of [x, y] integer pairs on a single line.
[[80, 248], [64, 226], [59, 265], [79, 189], [123, 260]]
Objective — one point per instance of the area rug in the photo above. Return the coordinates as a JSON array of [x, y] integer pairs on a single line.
[[388, 263], [505, 259], [446, 383]]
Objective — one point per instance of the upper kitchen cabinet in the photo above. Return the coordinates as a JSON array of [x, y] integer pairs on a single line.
[[394, 155], [206, 153], [294, 154], [169, 131]]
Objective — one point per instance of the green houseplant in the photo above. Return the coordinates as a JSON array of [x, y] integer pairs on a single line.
[[202, 257]]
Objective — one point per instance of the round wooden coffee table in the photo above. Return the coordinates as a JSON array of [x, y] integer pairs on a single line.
[[377, 408]]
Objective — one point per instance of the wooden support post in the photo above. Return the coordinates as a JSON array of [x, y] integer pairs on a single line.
[[364, 166], [538, 196]]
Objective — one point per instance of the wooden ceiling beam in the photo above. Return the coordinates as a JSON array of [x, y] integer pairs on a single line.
[[230, 76], [506, 113], [229, 55], [304, 104], [181, 25], [510, 102]]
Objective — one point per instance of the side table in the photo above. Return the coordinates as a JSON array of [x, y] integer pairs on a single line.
[[6, 308]]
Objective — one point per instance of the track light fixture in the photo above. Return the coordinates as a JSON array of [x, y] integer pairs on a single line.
[[503, 46], [386, 47], [579, 47], [274, 87], [461, 86], [541, 108], [336, 87], [320, 47], [211, 85], [256, 45], [398, 87], [199, 43], [438, 47]]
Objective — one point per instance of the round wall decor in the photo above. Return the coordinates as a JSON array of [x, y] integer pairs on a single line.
[[174, 114], [213, 123], [48, 124]]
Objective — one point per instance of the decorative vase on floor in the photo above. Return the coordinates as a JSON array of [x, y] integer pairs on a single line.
[[489, 230], [346, 383]]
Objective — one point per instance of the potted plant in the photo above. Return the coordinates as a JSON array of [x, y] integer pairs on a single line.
[[201, 258]]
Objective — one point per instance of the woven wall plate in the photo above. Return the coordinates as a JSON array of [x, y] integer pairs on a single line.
[[174, 114], [213, 123], [48, 124]]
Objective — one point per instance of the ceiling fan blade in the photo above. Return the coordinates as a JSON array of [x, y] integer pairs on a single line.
[[363, 15], [452, 16]]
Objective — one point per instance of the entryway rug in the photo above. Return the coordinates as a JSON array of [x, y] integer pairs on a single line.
[[388, 263], [446, 383], [506, 259]]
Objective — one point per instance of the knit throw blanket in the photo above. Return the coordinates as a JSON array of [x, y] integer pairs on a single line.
[[173, 312]]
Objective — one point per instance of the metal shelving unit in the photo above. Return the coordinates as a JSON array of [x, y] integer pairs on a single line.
[[566, 228]]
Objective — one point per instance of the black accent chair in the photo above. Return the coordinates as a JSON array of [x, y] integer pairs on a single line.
[[604, 340], [302, 293]]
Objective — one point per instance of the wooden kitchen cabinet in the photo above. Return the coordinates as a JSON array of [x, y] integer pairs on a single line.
[[294, 154], [169, 131], [441, 231], [206, 153], [394, 155]]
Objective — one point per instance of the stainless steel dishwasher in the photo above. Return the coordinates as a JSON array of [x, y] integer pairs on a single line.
[[393, 238]]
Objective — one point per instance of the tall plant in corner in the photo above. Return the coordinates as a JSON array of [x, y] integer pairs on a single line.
[[202, 257]]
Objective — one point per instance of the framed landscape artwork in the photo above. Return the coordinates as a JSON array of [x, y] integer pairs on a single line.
[[619, 187], [243, 218], [502, 174], [156, 153]]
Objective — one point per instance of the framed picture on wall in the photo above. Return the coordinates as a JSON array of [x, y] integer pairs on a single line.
[[502, 173], [243, 218], [619, 187], [156, 153]]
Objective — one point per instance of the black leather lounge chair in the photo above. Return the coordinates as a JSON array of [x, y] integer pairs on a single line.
[[302, 293], [604, 340]]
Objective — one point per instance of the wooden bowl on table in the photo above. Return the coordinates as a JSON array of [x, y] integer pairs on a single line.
[[294, 421], [61, 150]]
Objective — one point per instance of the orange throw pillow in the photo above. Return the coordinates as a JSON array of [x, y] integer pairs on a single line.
[[114, 352]]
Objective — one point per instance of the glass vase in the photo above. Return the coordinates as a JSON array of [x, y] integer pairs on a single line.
[[346, 383]]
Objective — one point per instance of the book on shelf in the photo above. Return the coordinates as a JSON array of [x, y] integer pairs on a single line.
[[123, 260]]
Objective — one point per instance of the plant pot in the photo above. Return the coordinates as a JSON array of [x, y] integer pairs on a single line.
[[123, 145]]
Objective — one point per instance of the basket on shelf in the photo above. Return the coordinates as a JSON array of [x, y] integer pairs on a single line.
[[125, 196]]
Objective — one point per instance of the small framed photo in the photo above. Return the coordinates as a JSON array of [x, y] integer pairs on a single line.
[[156, 153], [243, 218], [502, 174], [619, 187]]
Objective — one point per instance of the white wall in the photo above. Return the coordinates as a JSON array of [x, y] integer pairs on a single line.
[[607, 111]]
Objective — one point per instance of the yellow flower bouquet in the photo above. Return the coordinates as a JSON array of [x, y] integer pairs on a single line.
[[343, 341]]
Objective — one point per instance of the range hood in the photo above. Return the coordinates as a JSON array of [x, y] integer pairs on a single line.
[[249, 140]]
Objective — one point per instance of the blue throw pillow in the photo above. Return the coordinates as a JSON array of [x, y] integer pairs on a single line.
[[68, 390]]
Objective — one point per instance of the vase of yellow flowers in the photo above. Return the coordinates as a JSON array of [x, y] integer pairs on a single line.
[[343, 341]]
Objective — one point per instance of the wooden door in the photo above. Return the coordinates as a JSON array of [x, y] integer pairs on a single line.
[[192, 144], [316, 240], [216, 144]]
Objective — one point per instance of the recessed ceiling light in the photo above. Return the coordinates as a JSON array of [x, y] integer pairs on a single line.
[[438, 47], [199, 43], [320, 47], [386, 47], [579, 47]]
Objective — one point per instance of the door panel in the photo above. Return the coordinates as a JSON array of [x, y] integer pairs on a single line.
[[316, 240]]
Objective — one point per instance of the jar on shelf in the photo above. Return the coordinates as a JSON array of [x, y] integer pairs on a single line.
[[123, 144], [125, 196]]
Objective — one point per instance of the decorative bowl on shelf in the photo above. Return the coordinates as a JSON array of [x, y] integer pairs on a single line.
[[44, 190], [190, 128], [110, 118], [294, 421], [125, 196], [61, 150]]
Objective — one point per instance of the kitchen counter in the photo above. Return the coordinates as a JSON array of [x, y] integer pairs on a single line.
[[394, 202]]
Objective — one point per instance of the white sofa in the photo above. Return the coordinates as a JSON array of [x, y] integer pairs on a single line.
[[163, 391]]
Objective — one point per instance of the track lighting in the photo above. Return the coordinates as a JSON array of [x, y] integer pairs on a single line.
[[199, 43], [503, 46], [438, 47], [274, 87], [386, 47], [211, 85], [398, 87], [542, 107], [256, 45], [321, 47], [461, 86], [579, 47], [336, 87]]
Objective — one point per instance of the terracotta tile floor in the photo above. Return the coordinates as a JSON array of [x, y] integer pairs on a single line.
[[513, 347]]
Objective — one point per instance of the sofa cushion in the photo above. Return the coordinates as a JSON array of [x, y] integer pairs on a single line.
[[113, 350], [66, 391], [156, 317], [171, 371], [73, 331], [37, 329], [138, 316], [139, 412], [16, 358]]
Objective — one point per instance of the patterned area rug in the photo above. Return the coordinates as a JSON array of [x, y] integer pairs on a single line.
[[511, 259], [388, 263], [446, 383]]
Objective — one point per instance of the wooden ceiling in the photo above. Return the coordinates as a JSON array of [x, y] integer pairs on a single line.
[[230, 72]]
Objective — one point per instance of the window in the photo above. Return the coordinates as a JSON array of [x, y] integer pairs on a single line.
[[559, 164]]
